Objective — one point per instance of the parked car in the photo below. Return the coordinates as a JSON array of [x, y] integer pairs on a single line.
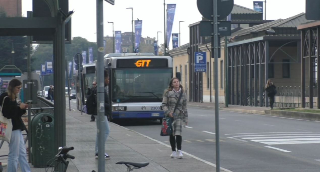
[[73, 94], [45, 91]]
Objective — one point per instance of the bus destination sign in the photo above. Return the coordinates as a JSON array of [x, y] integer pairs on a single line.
[[142, 63]]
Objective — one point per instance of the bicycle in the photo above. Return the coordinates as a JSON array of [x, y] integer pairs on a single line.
[[63, 155], [133, 165], [60, 158]]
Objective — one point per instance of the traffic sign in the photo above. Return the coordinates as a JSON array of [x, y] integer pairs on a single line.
[[200, 60], [205, 7], [206, 29]]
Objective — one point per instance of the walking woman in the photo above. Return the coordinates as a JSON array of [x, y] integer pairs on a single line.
[[271, 91], [180, 115], [12, 110]]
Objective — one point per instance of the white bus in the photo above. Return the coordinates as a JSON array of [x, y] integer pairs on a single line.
[[137, 84]]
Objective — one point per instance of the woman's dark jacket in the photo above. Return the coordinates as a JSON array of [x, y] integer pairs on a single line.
[[271, 90], [11, 110]]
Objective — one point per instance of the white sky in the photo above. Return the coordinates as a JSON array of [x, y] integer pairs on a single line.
[[151, 12]]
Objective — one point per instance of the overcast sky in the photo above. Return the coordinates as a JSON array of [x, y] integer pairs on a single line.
[[151, 13]]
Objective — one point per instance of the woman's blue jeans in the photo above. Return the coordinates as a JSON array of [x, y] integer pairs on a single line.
[[106, 131], [17, 153]]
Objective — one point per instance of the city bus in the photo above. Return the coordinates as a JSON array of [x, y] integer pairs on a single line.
[[88, 75], [137, 82]]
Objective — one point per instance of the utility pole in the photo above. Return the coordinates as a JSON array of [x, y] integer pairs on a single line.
[[265, 9], [100, 88]]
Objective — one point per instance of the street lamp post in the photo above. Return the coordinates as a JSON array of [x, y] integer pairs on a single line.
[[132, 29], [158, 36], [180, 34], [114, 48], [12, 52], [164, 32]]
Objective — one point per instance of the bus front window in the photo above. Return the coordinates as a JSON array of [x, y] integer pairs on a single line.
[[140, 85]]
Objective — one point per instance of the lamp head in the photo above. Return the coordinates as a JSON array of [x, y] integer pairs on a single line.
[[130, 8]]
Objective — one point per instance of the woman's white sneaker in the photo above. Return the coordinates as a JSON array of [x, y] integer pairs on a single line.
[[180, 155], [173, 154]]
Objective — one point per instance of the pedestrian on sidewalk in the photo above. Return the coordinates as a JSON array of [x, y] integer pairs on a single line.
[[13, 110], [91, 102], [180, 115], [271, 91], [106, 111]]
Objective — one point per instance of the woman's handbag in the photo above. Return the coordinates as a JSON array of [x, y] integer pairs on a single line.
[[5, 126], [166, 128]]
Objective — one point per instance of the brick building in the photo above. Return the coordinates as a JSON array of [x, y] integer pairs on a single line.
[[12, 8]]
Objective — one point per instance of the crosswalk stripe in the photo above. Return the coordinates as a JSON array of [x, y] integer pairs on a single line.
[[281, 138]]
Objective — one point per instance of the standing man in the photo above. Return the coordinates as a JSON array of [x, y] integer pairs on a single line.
[[91, 102], [106, 111]]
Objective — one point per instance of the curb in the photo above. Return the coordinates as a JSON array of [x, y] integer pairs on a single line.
[[292, 114]]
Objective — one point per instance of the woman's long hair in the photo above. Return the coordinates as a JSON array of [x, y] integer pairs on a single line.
[[13, 84], [269, 83], [170, 87]]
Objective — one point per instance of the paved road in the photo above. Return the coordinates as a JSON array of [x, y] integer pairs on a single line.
[[248, 142]]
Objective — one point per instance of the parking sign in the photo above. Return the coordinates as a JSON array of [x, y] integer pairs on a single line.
[[200, 62]]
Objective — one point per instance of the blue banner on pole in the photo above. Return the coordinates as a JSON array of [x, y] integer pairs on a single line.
[[90, 55], [200, 62], [138, 30], [84, 57], [49, 68], [70, 69], [171, 9], [155, 45], [258, 6], [175, 40], [118, 41], [43, 69]]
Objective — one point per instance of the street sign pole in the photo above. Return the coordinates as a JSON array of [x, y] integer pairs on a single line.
[[216, 97]]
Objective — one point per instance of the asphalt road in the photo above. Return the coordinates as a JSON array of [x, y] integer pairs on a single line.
[[248, 142]]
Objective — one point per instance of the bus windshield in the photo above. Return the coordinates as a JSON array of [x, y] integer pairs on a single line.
[[140, 85], [89, 78]]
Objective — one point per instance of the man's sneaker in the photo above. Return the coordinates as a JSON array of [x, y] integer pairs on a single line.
[[173, 154], [106, 156], [180, 155]]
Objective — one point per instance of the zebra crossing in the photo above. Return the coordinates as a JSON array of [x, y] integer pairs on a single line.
[[279, 138]]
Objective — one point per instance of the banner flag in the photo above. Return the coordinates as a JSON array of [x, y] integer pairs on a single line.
[[138, 30], [155, 45], [49, 68], [258, 6], [171, 8], [175, 40], [84, 57], [90, 55], [70, 70], [43, 69], [118, 41]]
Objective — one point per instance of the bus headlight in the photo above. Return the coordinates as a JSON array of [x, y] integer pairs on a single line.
[[119, 108]]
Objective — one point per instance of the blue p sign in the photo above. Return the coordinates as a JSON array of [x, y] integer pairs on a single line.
[[200, 62]]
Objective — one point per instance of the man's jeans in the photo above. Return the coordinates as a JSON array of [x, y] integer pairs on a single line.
[[17, 153], [106, 131]]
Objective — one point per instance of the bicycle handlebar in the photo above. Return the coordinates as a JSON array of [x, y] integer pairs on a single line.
[[65, 150], [69, 156]]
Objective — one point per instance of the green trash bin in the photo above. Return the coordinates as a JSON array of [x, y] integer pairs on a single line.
[[42, 142]]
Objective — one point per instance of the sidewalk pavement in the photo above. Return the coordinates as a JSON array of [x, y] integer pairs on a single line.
[[235, 108], [122, 145]]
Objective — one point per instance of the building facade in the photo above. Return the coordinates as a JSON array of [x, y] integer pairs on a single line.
[[12, 8]]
